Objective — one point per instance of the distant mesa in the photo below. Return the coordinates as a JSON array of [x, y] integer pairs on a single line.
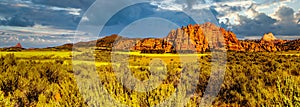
[[18, 45], [268, 37]]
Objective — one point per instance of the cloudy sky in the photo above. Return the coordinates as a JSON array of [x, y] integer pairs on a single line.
[[43, 23]]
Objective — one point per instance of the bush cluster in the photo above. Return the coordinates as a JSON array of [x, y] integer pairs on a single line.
[[251, 79]]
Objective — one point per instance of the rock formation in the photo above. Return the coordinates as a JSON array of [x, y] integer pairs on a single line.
[[290, 45], [199, 38], [150, 43], [269, 37], [196, 38], [18, 45]]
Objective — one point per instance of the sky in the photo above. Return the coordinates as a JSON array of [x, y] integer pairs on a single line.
[[45, 23]]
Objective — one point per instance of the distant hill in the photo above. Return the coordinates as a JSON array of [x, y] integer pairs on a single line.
[[17, 47]]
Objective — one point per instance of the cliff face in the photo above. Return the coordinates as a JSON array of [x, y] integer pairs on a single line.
[[192, 38], [187, 38], [199, 38]]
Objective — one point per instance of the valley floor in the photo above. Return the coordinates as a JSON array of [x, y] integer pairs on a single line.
[[51, 78]]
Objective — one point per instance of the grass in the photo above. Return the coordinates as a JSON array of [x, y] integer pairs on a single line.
[[90, 63], [67, 54], [251, 79], [38, 53], [159, 55], [297, 53], [167, 58]]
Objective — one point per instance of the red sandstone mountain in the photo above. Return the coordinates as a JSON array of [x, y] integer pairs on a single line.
[[191, 38], [197, 37], [18, 45], [206, 37]]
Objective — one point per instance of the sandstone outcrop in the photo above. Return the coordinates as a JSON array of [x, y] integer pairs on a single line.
[[193, 38], [269, 37], [196, 38], [18, 45]]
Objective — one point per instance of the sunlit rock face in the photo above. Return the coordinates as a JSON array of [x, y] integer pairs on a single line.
[[269, 37], [198, 38]]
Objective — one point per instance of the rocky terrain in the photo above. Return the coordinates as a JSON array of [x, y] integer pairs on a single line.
[[290, 45]]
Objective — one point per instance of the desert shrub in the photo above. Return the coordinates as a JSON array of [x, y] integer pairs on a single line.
[[32, 83], [251, 79], [6, 101], [288, 91]]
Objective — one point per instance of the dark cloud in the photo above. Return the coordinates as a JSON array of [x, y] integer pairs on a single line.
[[37, 14], [262, 23], [287, 23], [264, 19], [286, 14], [18, 20], [236, 8], [7, 10], [82, 4], [226, 9], [219, 0], [58, 19], [267, 2], [190, 3], [258, 26], [298, 17]]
